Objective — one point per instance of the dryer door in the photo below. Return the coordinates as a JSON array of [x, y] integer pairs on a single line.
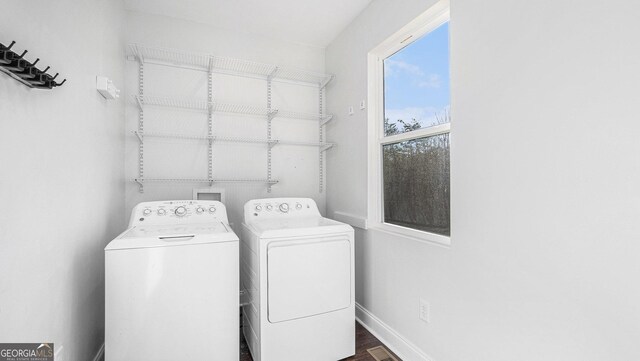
[[308, 276]]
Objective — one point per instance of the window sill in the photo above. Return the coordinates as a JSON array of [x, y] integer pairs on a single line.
[[411, 234]]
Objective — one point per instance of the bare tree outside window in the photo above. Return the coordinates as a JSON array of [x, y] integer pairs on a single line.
[[416, 181]]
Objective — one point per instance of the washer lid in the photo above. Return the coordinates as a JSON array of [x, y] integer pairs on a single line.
[[172, 235], [291, 227]]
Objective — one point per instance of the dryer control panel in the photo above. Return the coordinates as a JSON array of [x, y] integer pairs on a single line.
[[178, 212], [273, 208]]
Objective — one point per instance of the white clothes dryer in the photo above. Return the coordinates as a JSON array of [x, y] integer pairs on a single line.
[[172, 285], [297, 270]]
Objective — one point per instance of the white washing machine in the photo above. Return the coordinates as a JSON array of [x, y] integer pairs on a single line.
[[297, 269], [172, 285]]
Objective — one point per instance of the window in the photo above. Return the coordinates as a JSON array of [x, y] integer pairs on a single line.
[[410, 118]]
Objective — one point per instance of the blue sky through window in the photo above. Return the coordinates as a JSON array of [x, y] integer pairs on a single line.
[[416, 80]]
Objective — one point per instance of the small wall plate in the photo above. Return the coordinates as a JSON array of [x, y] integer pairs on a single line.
[[106, 88], [209, 194]]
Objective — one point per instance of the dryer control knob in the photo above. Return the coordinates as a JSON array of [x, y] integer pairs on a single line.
[[212, 209], [199, 209], [161, 212], [180, 211], [269, 207], [146, 212], [258, 208], [298, 206], [284, 208]]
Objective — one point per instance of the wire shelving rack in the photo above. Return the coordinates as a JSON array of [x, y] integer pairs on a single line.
[[225, 65], [231, 66], [271, 142]]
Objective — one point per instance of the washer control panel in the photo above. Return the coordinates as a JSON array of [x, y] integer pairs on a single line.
[[178, 212], [280, 207]]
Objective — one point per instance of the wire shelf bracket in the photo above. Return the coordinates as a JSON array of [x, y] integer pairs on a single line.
[[326, 120], [326, 147]]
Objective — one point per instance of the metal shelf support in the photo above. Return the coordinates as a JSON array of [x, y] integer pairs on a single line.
[[139, 101], [272, 143], [326, 147], [321, 138], [270, 114], [139, 135], [141, 123], [210, 122], [326, 81], [325, 120]]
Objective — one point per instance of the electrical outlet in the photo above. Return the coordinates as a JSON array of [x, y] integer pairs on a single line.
[[425, 311]]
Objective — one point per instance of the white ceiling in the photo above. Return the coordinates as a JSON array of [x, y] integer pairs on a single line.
[[312, 22]]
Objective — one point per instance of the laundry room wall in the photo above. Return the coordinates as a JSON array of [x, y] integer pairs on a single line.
[[296, 167], [61, 177], [545, 170]]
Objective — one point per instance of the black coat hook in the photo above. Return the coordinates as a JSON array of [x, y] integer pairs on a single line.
[[5, 48], [25, 72]]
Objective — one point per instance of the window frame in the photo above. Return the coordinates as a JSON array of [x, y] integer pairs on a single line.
[[435, 16]]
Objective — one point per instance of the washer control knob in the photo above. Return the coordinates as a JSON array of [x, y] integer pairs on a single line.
[[269, 207], [258, 207], [181, 211], [199, 210], [146, 212], [161, 212], [212, 209], [284, 207], [298, 206]]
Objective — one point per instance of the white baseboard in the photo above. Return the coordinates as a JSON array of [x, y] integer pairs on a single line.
[[100, 354], [402, 347]]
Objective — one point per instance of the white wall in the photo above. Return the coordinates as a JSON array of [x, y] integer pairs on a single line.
[[61, 183], [545, 167], [295, 167]]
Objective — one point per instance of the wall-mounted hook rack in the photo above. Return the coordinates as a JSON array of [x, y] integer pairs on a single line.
[[25, 72]]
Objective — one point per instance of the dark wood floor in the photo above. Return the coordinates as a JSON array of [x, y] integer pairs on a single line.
[[364, 340]]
